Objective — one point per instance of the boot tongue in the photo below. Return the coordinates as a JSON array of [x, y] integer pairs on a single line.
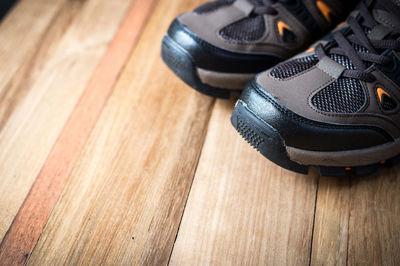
[[387, 13]]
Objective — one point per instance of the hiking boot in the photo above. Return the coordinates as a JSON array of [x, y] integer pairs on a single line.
[[336, 108], [221, 45]]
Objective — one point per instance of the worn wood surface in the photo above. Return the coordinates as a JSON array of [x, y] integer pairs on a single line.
[[242, 209], [18, 40], [331, 230], [35, 124], [28, 224], [126, 194], [107, 158], [358, 220]]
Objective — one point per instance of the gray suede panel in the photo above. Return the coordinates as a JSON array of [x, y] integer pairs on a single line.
[[344, 158], [330, 67], [244, 6]]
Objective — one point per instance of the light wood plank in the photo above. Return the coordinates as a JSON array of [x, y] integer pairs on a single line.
[[123, 202], [331, 222], [374, 222], [36, 209], [21, 72], [243, 209], [21, 69], [18, 37], [358, 220], [36, 122]]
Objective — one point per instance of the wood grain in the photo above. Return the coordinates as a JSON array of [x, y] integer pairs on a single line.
[[25, 46], [124, 200], [24, 72], [242, 209], [358, 220], [151, 172], [19, 37], [37, 121], [24, 233], [374, 222], [332, 222]]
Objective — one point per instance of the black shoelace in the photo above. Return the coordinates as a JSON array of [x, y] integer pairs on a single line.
[[372, 51], [268, 8]]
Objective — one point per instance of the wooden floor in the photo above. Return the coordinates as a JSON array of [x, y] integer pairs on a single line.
[[107, 158]]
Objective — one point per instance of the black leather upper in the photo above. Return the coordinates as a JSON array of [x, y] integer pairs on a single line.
[[302, 133], [213, 58]]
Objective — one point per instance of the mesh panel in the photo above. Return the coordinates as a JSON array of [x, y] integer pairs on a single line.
[[360, 48], [211, 6], [343, 60], [247, 29], [345, 95], [366, 30], [294, 67], [388, 104]]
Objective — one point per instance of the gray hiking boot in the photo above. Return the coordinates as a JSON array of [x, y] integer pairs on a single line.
[[221, 45], [337, 108]]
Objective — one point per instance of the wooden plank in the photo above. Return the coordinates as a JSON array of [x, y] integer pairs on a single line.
[[19, 37], [124, 200], [243, 209], [21, 72], [331, 222], [22, 59], [358, 221], [374, 223], [33, 215], [34, 125]]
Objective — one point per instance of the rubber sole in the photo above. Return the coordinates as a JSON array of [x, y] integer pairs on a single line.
[[270, 144], [183, 65]]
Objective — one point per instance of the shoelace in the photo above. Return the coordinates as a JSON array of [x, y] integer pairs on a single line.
[[267, 7], [357, 36]]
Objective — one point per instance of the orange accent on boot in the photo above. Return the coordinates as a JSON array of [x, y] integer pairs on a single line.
[[381, 92], [309, 50], [325, 10], [340, 25], [281, 26]]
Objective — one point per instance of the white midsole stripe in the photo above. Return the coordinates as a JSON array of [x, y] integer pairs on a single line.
[[348, 158], [232, 81]]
